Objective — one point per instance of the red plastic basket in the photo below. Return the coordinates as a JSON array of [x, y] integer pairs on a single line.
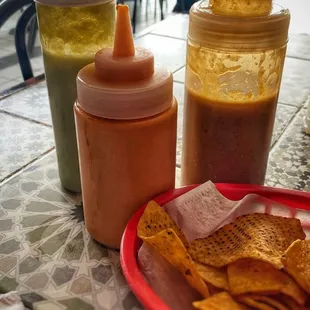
[[131, 243]]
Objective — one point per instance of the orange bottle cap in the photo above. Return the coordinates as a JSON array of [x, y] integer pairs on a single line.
[[123, 43], [124, 83], [124, 62]]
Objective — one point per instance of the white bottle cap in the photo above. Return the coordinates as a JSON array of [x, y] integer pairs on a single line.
[[69, 3]]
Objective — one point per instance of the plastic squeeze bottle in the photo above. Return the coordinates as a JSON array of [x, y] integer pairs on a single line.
[[235, 56], [126, 120], [71, 32]]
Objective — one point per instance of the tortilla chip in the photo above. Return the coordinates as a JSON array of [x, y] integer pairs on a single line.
[[221, 301], [296, 261], [154, 220], [215, 276], [270, 301], [291, 303], [214, 290], [258, 236], [254, 276], [169, 245], [253, 303]]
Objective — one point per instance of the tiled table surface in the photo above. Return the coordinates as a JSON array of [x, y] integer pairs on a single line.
[[45, 252]]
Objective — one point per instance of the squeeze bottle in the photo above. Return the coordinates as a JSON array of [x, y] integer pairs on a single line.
[[71, 32], [126, 120]]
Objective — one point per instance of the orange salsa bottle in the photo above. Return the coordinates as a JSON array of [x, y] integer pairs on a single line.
[[233, 75], [126, 120]]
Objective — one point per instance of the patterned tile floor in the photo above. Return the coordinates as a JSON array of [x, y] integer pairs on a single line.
[[45, 252], [21, 142], [31, 104], [289, 162]]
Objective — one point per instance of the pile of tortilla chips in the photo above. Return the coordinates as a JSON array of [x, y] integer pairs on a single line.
[[259, 261]]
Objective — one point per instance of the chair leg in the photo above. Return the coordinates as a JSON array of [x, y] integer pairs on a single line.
[[183, 6], [20, 44], [33, 29], [161, 2], [134, 17]]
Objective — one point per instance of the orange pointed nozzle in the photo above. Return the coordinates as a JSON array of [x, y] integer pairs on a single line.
[[123, 41]]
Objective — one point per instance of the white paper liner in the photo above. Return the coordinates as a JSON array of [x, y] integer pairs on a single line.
[[204, 210], [11, 301]]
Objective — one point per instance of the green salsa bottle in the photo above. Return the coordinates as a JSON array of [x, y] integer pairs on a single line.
[[71, 32]]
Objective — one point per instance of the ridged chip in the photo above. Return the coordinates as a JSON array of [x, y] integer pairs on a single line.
[[220, 301], [296, 261], [269, 301], [154, 220], [215, 276], [258, 236], [254, 276], [291, 303], [169, 245], [254, 304]]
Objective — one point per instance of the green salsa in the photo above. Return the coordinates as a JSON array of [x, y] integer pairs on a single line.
[[70, 37]]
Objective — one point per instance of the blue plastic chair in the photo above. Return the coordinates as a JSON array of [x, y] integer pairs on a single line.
[[28, 18], [7, 9]]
